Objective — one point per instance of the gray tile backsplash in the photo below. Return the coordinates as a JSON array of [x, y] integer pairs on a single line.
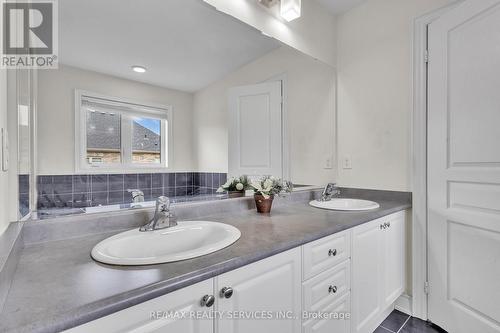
[[24, 194], [79, 191]]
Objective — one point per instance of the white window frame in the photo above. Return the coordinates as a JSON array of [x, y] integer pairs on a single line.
[[163, 112]]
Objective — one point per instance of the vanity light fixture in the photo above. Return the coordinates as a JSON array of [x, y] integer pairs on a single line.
[[139, 69], [290, 9]]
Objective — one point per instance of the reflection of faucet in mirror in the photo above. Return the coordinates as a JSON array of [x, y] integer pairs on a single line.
[[137, 197], [329, 191], [163, 217]]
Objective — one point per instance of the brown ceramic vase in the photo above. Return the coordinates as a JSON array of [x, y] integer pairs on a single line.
[[263, 205]]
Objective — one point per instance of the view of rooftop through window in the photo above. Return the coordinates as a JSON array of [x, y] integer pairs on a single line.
[[146, 145], [103, 137]]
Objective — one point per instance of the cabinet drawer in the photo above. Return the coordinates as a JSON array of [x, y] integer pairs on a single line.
[[324, 253], [327, 287], [338, 323]]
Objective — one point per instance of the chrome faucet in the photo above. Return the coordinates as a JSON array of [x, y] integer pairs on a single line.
[[137, 197], [329, 191], [163, 217]]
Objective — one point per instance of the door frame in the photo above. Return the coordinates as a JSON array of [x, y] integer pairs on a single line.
[[285, 142], [420, 282]]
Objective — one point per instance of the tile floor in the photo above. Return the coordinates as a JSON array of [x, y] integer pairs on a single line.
[[399, 322]]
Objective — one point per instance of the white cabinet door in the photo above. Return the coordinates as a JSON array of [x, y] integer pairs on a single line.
[[162, 314], [266, 288], [378, 270], [394, 253], [367, 272], [255, 122]]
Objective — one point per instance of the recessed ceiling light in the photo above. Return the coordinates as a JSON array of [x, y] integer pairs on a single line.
[[139, 69]]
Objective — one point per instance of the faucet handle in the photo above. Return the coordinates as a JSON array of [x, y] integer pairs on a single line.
[[137, 195], [163, 204], [329, 190]]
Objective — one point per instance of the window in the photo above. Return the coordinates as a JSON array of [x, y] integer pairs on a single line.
[[114, 134]]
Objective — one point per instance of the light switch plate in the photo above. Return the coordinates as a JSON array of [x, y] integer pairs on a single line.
[[347, 162], [328, 162], [5, 149]]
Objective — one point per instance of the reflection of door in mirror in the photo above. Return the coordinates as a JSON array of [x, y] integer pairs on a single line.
[[255, 130]]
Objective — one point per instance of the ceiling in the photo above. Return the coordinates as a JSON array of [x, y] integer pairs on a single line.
[[337, 7], [184, 44]]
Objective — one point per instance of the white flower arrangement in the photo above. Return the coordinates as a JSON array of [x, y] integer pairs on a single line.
[[240, 183], [268, 186]]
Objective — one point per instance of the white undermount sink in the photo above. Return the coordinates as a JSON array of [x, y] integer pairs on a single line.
[[189, 239], [345, 204]]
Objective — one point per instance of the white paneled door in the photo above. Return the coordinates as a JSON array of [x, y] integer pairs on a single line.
[[464, 168], [255, 130]]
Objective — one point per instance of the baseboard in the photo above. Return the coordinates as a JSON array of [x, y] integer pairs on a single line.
[[11, 241], [403, 304]]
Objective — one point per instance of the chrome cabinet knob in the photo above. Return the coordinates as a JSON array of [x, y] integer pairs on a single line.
[[207, 300], [332, 289], [332, 252], [226, 292]]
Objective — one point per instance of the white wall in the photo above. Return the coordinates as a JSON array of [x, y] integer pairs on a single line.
[[313, 33], [56, 126], [4, 176], [310, 108], [374, 91]]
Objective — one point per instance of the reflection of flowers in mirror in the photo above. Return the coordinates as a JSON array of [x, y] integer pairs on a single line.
[[240, 183]]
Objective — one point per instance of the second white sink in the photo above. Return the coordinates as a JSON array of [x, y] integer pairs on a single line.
[[345, 204], [189, 239]]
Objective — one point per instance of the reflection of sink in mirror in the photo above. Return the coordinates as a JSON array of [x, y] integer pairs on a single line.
[[189, 239], [345, 204]]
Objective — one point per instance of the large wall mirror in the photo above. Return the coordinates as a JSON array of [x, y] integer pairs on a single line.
[[172, 98]]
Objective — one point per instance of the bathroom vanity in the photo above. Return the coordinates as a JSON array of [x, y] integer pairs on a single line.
[[360, 271], [298, 260]]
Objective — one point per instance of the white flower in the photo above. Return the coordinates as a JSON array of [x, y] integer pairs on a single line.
[[268, 184], [239, 186], [256, 185]]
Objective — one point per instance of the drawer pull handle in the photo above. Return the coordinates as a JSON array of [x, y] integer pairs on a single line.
[[332, 289], [207, 300], [332, 252], [226, 292]]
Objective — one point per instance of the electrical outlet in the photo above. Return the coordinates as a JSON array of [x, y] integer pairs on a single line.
[[347, 163]]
